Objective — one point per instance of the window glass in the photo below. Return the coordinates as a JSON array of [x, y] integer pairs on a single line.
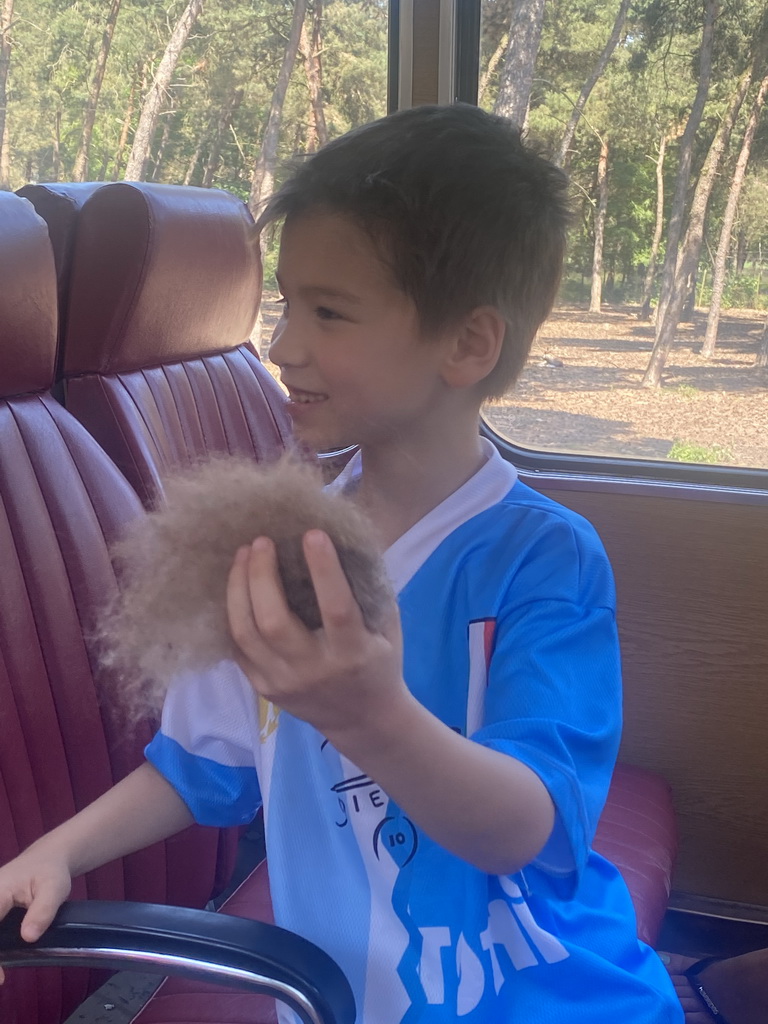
[[221, 93], [658, 345]]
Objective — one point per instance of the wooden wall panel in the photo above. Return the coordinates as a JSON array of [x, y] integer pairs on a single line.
[[692, 583]]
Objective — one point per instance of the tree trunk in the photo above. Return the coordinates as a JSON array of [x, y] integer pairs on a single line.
[[561, 157], [652, 377], [153, 101], [670, 312], [264, 168], [600, 215], [688, 312], [690, 251], [163, 143], [493, 63], [222, 125], [721, 257], [317, 136], [122, 142], [650, 274], [56, 169], [694, 235], [6, 18], [741, 252], [516, 77], [762, 351], [80, 169], [202, 140]]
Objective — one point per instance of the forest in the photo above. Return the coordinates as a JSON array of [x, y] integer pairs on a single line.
[[654, 107]]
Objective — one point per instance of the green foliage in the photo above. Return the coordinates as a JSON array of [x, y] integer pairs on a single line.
[[741, 291], [689, 451], [270, 267], [210, 130], [230, 63]]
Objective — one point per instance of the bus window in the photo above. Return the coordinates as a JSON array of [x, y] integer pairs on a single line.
[[658, 347]]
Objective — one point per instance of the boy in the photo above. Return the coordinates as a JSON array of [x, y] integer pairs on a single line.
[[429, 796]]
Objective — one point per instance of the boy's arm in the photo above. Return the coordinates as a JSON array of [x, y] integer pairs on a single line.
[[480, 804], [141, 809], [484, 806]]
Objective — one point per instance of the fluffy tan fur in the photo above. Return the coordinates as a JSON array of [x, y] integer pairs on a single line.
[[173, 564]]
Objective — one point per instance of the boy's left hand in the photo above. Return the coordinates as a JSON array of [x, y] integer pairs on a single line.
[[338, 678]]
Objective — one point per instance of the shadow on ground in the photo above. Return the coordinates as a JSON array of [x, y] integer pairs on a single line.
[[577, 376], [556, 430]]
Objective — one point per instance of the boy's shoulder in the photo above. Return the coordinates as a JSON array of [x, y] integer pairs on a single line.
[[532, 544], [535, 516]]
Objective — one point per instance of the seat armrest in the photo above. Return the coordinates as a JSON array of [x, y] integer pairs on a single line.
[[232, 951]]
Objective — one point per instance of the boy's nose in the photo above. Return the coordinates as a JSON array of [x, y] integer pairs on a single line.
[[284, 347]]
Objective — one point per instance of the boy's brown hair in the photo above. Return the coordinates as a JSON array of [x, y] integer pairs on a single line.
[[461, 211]]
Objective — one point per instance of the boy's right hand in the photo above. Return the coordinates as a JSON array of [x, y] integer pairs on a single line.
[[140, 810], [39, 883]]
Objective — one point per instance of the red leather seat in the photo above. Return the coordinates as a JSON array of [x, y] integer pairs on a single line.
[[59, 203], [196, 1002], [637, 832], [163, 289], [61, 503]]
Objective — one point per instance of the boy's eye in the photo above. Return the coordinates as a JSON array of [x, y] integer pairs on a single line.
[[327, 314]]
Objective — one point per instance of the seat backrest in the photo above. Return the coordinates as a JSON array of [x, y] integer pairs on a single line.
[[59, 204], [163, 292], [62, 502]]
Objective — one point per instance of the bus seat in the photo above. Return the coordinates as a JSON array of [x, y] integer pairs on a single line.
[[59, 203], [62, 502], [163, 291], [199, 1002], [637, 832]]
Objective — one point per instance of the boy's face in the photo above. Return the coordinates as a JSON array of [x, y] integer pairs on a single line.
[[350, 349]]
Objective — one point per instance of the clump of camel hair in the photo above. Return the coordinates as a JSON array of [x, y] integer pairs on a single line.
[[169, 616]]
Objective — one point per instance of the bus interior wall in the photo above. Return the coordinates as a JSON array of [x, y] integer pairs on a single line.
[[691, 571]]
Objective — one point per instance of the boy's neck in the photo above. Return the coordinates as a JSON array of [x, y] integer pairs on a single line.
[[402, 482]]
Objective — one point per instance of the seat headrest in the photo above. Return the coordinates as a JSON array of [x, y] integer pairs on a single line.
[[28, 310], [59, 203], [159, 273]]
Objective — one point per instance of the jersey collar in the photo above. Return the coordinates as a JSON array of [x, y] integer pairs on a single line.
[[490, 484]]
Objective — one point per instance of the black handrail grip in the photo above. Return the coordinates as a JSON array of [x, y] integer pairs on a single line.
[[213, 940]]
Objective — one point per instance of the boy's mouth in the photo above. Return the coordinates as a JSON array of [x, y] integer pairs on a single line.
[[302, 397]]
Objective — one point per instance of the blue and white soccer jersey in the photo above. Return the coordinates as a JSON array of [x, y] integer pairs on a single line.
[[507, 606]]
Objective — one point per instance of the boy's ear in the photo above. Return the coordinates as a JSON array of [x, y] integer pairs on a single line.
[[475, 348]]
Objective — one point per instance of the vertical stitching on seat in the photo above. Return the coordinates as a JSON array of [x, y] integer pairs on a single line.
[[186, 365], [181, 420], [216, 403], [239, 353]]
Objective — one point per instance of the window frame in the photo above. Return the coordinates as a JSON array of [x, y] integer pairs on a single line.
[[535, 462]]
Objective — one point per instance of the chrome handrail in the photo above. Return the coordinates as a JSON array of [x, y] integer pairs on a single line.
[[232, 951]]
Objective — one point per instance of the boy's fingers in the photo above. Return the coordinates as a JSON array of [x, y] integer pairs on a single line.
[[239, 611], [339, 610], [47, 899], [36, 921], [275, 622]]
